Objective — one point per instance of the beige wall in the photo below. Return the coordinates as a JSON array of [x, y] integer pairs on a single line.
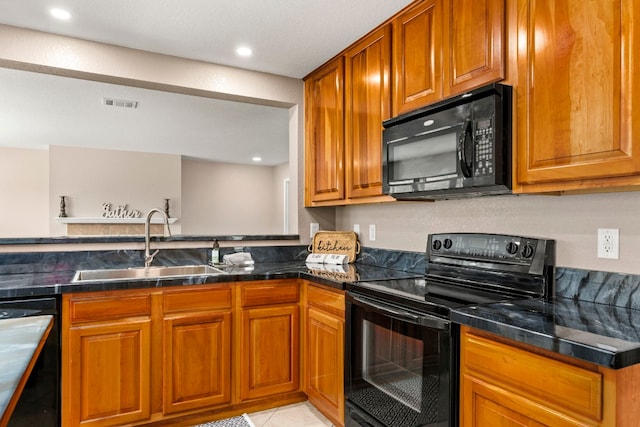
[[42, 52], [24, 192], [91, 177], [34, 180], [221, 198], [573, 220]]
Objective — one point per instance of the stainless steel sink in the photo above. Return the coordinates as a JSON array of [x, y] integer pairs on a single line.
[[111, 275]]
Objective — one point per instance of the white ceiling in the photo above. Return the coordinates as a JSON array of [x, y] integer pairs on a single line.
[[288, 37]]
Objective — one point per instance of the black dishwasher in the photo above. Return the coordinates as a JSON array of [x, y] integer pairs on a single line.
[[39, 403]]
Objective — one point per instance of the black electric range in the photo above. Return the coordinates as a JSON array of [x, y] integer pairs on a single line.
[[471, 268], [401, 349]]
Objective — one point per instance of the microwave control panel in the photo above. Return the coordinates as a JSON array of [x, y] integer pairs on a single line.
[[483, 141]]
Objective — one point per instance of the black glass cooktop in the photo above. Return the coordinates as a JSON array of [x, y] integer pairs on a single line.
[[422, 294]]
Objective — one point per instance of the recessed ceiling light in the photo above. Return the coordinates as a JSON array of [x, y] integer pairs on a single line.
[[244, 51], [60, 14], [257, 159]]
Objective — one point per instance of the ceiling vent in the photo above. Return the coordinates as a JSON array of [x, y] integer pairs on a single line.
[[119, 103]]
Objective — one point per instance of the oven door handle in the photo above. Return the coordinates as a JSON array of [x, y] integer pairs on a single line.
[[426, 320]]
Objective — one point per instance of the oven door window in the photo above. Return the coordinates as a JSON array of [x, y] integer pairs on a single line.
[[399, 370], [423, 157]]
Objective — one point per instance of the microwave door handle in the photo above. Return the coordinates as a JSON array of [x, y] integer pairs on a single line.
[[465, 142]]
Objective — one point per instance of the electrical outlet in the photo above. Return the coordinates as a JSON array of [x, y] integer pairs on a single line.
[[356, 229], [608, 243], [372, 232], [313, 228]]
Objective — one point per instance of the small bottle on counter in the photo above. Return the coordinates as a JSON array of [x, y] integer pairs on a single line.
[[215, 252]]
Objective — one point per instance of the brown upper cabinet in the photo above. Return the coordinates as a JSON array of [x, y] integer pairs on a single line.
[[417, 56], [577, 116], [430, 50], [346, 101], [368, 103], [446, 47], [324, 133]]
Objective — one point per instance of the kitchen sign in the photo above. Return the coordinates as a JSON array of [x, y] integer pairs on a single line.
[[336, 242]]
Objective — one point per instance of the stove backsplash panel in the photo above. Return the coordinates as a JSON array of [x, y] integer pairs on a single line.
[[619, 289]]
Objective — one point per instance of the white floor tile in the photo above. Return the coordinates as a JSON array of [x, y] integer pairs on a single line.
[[296, 415]]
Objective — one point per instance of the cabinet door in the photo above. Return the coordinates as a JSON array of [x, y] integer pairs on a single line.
[[526, 387], [417, 56], [367, 104], [269, 355], [109, 373], [480, 407], [197, 361], [474, 35], [577, 96], [325, 363], [324, 127]]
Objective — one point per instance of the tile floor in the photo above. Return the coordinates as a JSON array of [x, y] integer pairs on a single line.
[[297, 415]]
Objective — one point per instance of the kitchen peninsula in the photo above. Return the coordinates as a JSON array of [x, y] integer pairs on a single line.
[[21, 341]]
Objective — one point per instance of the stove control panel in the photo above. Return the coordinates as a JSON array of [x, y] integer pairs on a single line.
[[492, 248]]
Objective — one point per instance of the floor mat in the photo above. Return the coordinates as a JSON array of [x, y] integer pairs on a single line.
[[240, 421]]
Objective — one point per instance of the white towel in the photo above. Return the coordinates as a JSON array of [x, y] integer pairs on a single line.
[[238, 258]]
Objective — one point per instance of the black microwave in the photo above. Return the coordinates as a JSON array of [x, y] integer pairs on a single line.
[[459, 147]]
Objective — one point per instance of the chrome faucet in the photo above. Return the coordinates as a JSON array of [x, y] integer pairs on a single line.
[[148, 258]]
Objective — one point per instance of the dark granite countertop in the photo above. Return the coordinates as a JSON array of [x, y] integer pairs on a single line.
[[603, 334], [608, 335], [59, 282]]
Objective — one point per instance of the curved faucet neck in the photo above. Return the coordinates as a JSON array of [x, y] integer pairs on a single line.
[[148, 257]]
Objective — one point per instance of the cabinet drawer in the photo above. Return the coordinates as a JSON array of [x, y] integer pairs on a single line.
[[269, 293], [82, 309], [326, 300], [197, 299], [541, 379]]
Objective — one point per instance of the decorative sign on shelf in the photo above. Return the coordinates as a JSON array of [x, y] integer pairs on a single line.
[[120, 212]]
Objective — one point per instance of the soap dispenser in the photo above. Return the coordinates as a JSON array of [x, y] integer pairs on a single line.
[[215, 252]]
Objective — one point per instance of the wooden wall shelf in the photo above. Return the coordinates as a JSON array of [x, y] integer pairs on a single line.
[[100, 220]]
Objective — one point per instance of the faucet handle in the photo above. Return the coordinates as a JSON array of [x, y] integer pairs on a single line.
[[149, 259]]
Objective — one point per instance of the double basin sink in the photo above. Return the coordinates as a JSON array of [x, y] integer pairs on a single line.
[[122, 274]]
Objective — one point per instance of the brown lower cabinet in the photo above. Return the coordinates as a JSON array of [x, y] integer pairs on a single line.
[[106, 354], [504, 383], [196, 339], [184, 355], [269, 338], [324, 350]]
